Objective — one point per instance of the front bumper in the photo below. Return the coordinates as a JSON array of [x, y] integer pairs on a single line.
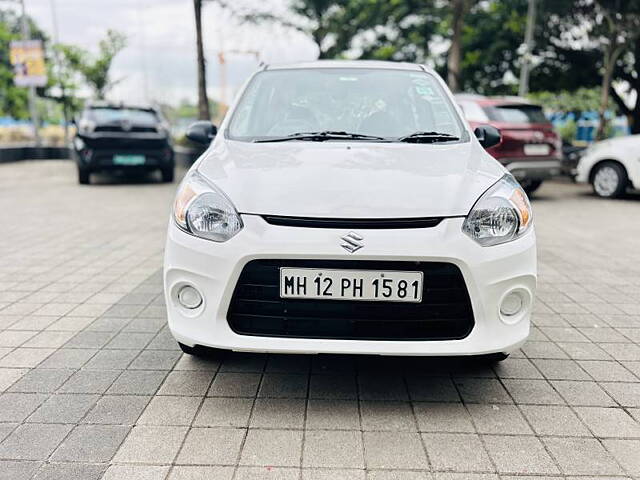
[[528, 168], [214, 268]]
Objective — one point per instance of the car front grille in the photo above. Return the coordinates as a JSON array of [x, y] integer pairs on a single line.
[[445, 312]]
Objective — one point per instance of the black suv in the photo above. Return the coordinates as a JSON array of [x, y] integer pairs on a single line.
[[123, 139]]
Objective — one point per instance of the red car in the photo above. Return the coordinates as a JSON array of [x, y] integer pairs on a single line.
[[530, 149]]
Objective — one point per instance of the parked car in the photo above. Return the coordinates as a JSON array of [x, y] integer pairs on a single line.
[[123, 139], [346, 207], [611, 166], [530, 148]]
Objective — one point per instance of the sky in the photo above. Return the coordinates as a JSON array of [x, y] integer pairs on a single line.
[[159, 63]]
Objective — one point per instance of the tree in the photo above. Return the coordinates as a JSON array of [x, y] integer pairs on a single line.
[[203, 101], [95, 69], [459, 9]]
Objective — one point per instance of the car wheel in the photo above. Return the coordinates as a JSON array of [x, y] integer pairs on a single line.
[[83, 177], [167, 175], [530, 186], [609, 180]]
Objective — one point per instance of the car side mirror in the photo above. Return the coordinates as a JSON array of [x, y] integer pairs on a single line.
[[202, 132], [488, 136]]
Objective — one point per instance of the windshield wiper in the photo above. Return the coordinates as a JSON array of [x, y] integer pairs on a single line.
[[428, 137], [321, 137]]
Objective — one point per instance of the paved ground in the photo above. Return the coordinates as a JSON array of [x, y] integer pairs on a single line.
[[95, 387]]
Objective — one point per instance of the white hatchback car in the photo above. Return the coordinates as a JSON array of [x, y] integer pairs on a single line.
[[346, 207], [611, 166]]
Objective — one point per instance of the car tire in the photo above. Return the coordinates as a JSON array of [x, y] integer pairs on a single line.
[[609, 180], [167, 175], [530, 186], [84, 177]]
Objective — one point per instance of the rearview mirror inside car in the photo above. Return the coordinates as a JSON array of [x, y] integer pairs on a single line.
[[488, 136], [202, 132]]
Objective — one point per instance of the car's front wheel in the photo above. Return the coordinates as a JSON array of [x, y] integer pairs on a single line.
[[83, 177], [609, 180], [529, 185]]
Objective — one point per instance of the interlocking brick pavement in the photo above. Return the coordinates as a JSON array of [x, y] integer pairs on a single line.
[[94, 386]]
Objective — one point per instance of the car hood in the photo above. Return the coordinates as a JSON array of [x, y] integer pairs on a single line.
[[350, 180]]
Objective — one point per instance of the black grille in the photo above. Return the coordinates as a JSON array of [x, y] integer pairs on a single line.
[[376, 223], [445, 312]]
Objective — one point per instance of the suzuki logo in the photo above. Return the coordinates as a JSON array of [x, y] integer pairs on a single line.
[[352, 242]]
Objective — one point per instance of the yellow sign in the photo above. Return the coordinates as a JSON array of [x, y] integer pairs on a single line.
[[27, 58]]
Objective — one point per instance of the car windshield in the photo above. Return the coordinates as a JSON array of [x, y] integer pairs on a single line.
[[388, 103], [117, 115], [518, 114]]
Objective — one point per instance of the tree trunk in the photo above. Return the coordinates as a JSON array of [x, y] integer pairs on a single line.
[[203, 100], [454, 58], [610, 57]]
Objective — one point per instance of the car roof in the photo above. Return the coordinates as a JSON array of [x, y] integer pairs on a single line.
[[350, 64], [493, 101]]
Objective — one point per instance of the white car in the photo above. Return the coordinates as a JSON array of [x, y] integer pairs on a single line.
[[346, 207], [611, 166]]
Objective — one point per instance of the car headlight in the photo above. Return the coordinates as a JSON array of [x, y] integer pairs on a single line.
[[501, 214], [78, 143], [204, 211]]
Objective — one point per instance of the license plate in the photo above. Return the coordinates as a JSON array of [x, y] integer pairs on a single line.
[[385, 286], [128, 160], [537, 149]]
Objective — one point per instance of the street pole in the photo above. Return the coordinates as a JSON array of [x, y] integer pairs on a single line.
[[32, 90], [63, 93], [523, 88]]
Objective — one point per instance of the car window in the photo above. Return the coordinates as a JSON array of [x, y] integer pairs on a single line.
[[380, 102], [518, 114], [116, 115], [473, 112]]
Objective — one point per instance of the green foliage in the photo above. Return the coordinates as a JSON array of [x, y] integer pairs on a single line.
[[568, 131], [94, 68], [580, 100]]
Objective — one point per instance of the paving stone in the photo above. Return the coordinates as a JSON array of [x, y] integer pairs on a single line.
[[626, 453], [111, 360], [333, 415], [151, 444], [186, 383], [340, 449], [607, 371], [278, 413], [170, 411], [395, 416], [33, 441], [267, 473], [235, 385], [442, 417], [90, 381], [609, 422], [41, 380], [432, 389], [498, 419], [482, 390], [626, 394], [15, 407], [520, 455], [18, 470], [137, 382], [91, 443], [333, 386], [117, 410], [155, 360], [64, 471], [457, 452], [272, 448], [63, 408], [69, 358], [136, 472], [211, 446], [382, 387], [224, 412], [278, 385], [394, 450], [583, 393], [25, 357], [582, 456], [554, 420]]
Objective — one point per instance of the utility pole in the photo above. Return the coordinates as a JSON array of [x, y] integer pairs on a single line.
[[523, 88], [32, 90], [63, 93]]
